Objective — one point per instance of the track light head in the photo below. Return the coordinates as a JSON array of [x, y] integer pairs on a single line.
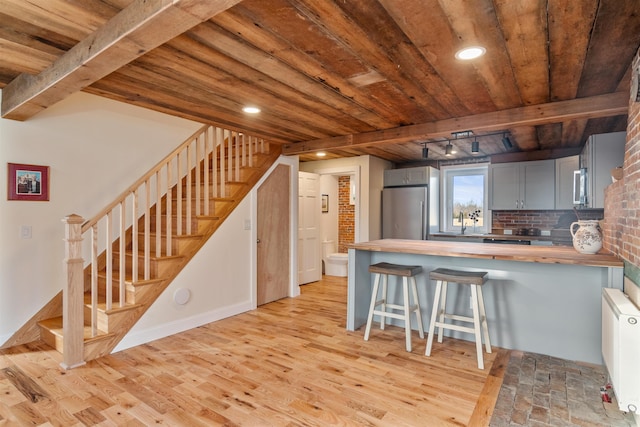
[[475, 147], [425, 152], [448, 151]]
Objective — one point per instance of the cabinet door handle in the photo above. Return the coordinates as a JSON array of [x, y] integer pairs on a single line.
[[517, 204], [521, 204]]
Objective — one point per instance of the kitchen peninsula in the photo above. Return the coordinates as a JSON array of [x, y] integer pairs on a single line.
[[542, 299]]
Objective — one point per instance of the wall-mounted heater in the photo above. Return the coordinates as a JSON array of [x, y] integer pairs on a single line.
[[621, 347]]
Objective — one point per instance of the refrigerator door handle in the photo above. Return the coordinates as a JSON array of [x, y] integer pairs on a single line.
[[576, 187], [422, 225]]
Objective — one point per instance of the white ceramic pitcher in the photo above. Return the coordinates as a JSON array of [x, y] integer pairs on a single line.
[[588, 238]]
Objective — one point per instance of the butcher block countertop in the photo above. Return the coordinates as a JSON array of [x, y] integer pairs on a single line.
[[523, 253]]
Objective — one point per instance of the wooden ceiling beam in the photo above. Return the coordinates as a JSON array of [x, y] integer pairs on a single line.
[[584, 108], [140, 27]]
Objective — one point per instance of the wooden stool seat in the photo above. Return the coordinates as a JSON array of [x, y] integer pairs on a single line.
[[408, 273], [395, 269], [475, 279]]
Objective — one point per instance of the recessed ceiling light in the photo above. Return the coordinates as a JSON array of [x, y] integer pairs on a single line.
[[471, 52], [321, 154], [251, 110]]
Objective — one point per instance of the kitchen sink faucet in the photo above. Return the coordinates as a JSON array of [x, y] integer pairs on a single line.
[[462, 227]]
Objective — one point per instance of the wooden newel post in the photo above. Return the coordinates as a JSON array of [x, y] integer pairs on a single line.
[[73, 295]]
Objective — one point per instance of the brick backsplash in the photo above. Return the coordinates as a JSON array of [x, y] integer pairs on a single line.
[[544, 220]]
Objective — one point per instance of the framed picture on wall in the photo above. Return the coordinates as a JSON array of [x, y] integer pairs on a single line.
[[325, 203], [28, 182]]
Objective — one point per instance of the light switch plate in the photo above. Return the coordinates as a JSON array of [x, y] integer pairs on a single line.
[[25, 231]]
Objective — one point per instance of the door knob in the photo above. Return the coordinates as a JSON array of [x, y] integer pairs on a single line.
[[258, 241]]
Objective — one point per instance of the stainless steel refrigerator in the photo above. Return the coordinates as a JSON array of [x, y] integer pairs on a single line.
[[411, 211]]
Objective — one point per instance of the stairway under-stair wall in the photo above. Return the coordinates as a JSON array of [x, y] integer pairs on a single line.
[[204, 277], [227, 292]]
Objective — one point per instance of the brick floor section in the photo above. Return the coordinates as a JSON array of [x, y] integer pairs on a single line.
[[544, 391]]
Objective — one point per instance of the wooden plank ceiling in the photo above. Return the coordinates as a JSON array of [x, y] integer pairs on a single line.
[[353, 77]]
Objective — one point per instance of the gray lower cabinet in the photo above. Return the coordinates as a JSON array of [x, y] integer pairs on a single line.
[[522, 185]]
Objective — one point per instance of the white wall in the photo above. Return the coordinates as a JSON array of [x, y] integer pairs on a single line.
[[94, 148], [329, 220], [218, 288]]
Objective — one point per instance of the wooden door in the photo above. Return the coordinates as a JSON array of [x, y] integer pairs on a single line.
[[273, 224], [309, 211]]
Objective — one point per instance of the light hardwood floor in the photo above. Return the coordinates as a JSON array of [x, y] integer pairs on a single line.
[[288, 363]]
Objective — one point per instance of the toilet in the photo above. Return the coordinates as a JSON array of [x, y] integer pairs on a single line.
[[335, 264]]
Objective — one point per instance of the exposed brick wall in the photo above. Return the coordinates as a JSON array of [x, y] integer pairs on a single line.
[[615, 219], [544, 220], [346, 215], [622, 201]]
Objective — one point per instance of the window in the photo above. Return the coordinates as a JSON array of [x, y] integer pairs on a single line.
[[464, 199]]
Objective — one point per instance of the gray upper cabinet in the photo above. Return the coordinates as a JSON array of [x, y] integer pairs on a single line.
[[567, 182], [406, 176], [522, 185], [601, 153]]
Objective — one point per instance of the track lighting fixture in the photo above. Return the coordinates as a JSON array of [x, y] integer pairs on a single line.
[[458, 137], [475, 147], [506, 142], [448, 151]]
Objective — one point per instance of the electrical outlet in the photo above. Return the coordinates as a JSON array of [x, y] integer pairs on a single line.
[[247, 224]]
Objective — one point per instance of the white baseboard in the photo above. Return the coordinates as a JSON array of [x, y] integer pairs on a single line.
[[166, 329]]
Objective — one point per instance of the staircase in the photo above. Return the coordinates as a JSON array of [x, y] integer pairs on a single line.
[[121, 260]]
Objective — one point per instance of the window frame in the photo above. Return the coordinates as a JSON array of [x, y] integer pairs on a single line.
[[446, 197]]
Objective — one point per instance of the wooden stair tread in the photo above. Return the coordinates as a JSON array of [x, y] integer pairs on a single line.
[[115, 307], [153, 235], [129, 280], [151, 257], [54, 325]]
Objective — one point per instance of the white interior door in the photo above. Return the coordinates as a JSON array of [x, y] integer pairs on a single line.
[[309, 245]]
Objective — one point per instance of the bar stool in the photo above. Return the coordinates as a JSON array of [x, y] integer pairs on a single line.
[[473, 278], [384, 270]]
